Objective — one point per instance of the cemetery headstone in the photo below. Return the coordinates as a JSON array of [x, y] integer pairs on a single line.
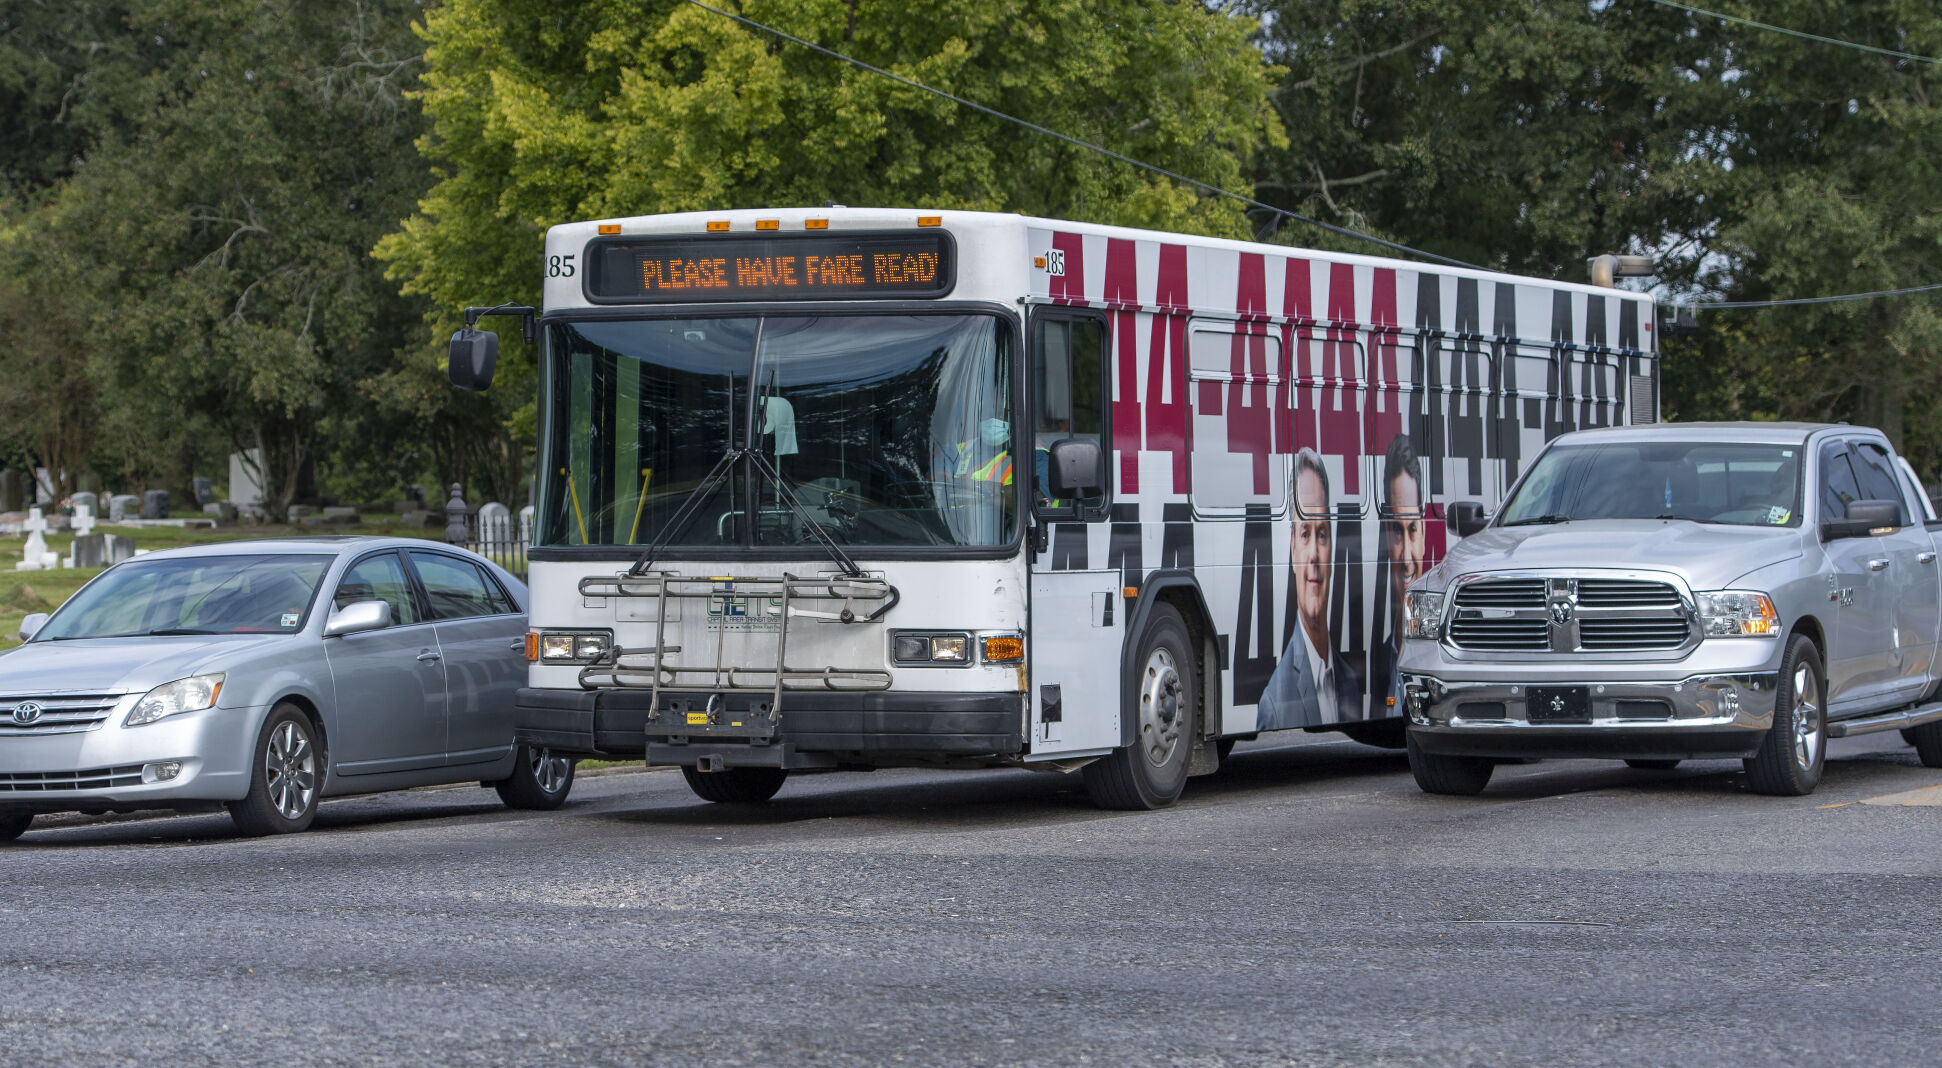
[[340, 515], [12, 491], [155, 504], [36, 557], [223, 511], [495, 524], [205, 490], [43, 487], [123, 506], [243, 487], [120, 547], [526, 525], [90, 550], [88, 482], [299, 511], [85, 499], [84, 518]]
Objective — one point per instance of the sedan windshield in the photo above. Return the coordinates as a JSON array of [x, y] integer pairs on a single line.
[[267, 594], [880, 430], [1706, 482]]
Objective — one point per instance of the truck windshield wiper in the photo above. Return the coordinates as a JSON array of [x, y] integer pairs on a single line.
[[1538, 520]]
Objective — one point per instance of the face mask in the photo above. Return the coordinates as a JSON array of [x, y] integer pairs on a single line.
[[994, 432]]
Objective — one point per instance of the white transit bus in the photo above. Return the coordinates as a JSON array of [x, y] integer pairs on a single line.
[[855, 488]]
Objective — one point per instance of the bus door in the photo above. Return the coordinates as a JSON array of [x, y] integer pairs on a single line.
[[1077, 613]]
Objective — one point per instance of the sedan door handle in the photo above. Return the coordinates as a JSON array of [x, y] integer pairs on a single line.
[[1877, 565], [428, 656], [1925, 558]]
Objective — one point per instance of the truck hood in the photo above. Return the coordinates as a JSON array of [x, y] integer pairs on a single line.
[[118, 665], [1708, 556]]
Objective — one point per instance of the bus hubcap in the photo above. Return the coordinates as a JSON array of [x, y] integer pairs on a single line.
[[1161, 712]]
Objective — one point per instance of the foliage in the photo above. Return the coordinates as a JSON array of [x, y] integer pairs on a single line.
[[543, 113]]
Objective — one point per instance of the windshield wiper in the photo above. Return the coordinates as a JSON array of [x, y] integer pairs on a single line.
[[167, 631], [788, 497], [679, 521], [1537, 520]]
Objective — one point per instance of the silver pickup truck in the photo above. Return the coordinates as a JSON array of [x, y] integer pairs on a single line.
[[1660, 593]]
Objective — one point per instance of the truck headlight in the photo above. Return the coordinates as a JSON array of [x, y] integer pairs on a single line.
[[1423, 614], [1737, 614], [183, 695], [574, 647]]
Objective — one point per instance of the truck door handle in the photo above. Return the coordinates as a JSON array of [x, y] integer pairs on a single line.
[[428, 656], [1877, 565], [1925, 558]]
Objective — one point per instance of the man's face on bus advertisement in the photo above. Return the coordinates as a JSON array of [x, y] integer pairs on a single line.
[[1405, 533], [1309, 555]]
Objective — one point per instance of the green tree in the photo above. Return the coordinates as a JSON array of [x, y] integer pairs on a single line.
[[542, 113], [230, 228]]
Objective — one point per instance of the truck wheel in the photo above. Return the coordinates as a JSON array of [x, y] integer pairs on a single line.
[[1652, 765], [14, 824], [1383, 733], [1927, 740], [1908, 735], [1163, 696], [1457, 776], [1794, 751], [735, 786]]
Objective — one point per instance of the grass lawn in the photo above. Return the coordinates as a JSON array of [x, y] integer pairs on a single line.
[[25, 592]]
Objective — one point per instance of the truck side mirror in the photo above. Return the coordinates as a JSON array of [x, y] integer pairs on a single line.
[[1864, 518], [1466, 518], [471, 357], [1077, 468]]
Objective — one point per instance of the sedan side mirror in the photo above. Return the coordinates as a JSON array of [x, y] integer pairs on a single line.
[[31, 626], [1864, 518], [1466, 518], [364, 615], [1077, 468], [471, 358]]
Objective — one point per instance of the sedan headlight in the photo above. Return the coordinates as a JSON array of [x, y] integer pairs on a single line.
[[183, 695], [1423, 614], [1737, 614], [575, 647]]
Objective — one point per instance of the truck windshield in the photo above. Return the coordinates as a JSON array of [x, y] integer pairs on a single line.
[[889, 430], [1703, 481]]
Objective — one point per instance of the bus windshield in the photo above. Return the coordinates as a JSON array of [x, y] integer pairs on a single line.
[[1703, 481], [888, 430]]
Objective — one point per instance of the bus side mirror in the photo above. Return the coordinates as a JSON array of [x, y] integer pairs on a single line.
[[1466, 518], [1077, 469], [471, 357]]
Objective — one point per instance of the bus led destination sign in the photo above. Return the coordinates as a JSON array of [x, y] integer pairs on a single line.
[[669, 270]]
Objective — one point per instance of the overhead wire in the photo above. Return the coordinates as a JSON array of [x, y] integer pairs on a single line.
[[1204, 187], [1872, 294], [1803, 35]]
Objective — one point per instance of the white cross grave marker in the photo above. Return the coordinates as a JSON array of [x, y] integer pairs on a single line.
[[35, 556]]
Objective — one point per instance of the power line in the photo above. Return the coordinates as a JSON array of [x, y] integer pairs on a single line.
[[1729, 304], [1800, 34], [1069, 139]]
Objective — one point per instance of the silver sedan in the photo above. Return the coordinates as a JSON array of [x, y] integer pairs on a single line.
[[265, 675]]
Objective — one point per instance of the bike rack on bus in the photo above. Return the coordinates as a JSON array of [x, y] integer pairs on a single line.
[[838, 599]]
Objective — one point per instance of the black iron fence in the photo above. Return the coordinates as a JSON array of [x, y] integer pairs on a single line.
[[492, 530]]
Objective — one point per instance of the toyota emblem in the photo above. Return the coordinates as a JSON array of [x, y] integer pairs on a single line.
[[26, 713]]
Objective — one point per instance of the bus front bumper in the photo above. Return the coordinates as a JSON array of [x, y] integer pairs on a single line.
[[814, 729]]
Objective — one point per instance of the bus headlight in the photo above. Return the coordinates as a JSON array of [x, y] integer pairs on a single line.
[[1737, 614], [952, 649], [1423, 614], [575, 647]]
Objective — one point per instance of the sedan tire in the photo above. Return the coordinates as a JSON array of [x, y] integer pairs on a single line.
[[14, 824], [288, 775], [540, 780]]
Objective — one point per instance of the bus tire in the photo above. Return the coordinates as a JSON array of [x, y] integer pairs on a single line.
[[1162, 696], [1454, 776], [735, 786]]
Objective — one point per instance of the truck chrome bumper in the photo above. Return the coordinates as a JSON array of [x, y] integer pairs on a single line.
[[1695, 717]]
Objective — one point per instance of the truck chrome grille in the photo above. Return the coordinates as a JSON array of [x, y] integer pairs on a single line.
[[1566, 614], [32, 782], [63, 714]]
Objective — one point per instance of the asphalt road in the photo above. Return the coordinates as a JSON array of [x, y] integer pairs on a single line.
[[1306, 905]]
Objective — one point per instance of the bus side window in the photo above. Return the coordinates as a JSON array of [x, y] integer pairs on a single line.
[[1068, 401]]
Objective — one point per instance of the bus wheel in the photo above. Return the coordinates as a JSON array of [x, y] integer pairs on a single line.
[[744, 786], [1162, 692]]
